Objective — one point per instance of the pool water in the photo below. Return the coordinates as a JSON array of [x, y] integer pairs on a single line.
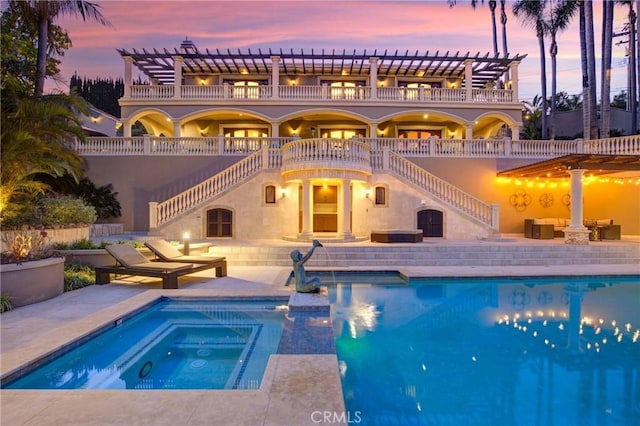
[[488, 352], [174, 344]]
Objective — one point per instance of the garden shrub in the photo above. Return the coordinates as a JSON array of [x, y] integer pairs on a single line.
[[66, 210], [78, 276], [5, 303]]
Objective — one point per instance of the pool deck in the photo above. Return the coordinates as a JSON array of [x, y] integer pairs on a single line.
[[296, 389]]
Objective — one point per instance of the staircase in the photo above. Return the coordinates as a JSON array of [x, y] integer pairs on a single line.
[[455, 253]]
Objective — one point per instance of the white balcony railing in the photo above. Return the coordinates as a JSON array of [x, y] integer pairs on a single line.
[[433, 147], [345, 154], [321, 93]]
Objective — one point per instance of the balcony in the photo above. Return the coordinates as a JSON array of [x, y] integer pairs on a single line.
[[365, 94]]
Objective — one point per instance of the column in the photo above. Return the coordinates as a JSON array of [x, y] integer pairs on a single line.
[[128, 80], [373, 130], [468, 131], [126, 128], [468, 79], [373, 77], [515, 133], [514, 81], [275, 130], [344, 210], [178, 61], [177, 131], [275, 76], [576, 233], [307, 200]]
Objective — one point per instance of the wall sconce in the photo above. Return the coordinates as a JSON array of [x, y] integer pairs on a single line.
[[203, 82], [283, 192], [185, 242], [367, 193], [95, 119]]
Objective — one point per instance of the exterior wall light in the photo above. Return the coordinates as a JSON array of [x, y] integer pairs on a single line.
[[283, 192]]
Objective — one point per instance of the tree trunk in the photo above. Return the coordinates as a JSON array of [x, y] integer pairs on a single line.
[[633, 64], [586, 94], [552, 118], [492, 6], [605, 82], [591, 70], [543, 86], [41, 61]]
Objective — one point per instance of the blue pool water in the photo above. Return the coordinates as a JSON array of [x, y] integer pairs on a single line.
[[174, 344], [488, 352]]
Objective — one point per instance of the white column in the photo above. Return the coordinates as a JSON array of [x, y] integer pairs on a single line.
[[514, 81], [178, 61], [468, 132], [373, 77], [275, 76], [275, 130], [373, 130], [515, 133], [307, 205], [576, 199], [128, 79], [126, 128], [468, 79], [177, 131], [576, 232], [344, 210]]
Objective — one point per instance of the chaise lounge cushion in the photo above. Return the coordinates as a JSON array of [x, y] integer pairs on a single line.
[[131, 258], [168, 253], [557, 222]]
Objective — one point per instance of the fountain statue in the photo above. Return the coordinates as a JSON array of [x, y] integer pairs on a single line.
[[303, 285]]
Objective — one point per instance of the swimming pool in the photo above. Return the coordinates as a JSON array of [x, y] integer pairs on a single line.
[[488, 351], [173, 344]]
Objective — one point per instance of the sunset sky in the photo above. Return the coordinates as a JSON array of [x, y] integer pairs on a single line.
[[407, 25]]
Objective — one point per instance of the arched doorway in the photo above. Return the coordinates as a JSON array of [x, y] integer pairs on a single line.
[[431, 223]]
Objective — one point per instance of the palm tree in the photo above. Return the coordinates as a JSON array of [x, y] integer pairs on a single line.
[[530, 12], [492, 8], [558, 19], [605, 79], [34, 137], [632, 104], [43, 13], [503, 22], [587, 52]]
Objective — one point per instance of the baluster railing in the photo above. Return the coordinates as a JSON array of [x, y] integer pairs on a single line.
[[444, 191]]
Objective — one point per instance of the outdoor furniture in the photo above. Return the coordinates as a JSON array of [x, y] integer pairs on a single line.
[[603, 229], [397, 236], [545, 228], [168, 253], [132, 262]]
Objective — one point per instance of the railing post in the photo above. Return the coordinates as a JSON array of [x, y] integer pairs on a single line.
[[153, 215], [495, 216], [220, 139], [579, 146], [265, 157], [385, 158], [507, 147], [146, 144]]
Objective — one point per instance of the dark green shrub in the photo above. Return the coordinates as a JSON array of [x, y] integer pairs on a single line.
[[66, 210], [83, 244], [5, 303], [78, 276]]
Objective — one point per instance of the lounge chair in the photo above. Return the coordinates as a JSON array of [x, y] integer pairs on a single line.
[[131, 262], [168, 253]]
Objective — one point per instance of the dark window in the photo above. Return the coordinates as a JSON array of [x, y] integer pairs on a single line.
[[219, 223], [270, 194], [381, 195]]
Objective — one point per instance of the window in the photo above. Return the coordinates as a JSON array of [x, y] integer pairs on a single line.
[[219, 223], [270, 194], [381, 196], [245, 89], [342, 133], [346, 89]]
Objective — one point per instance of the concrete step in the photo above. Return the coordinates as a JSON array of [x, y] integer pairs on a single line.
[[480, 254]]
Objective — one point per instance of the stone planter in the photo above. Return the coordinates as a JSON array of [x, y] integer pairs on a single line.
[[34, 281]]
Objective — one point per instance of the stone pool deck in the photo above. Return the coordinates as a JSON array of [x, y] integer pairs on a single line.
[[296, 389]]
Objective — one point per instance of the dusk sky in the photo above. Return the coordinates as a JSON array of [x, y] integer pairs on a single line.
[[407, 25]]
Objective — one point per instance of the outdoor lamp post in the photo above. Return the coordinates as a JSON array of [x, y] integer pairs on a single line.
[[185, 240]]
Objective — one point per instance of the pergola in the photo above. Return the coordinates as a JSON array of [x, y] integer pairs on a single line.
[[594, 164], [159, 65]]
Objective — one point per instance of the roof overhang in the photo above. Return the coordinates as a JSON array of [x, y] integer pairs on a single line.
[[594, 164]]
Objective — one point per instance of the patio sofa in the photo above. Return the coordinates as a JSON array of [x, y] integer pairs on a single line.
[[549, 228], [545, 228]]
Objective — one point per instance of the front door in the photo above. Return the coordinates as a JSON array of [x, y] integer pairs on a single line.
[[431, 223]]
